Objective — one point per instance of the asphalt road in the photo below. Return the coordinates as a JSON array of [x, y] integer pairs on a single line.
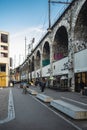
[[31, 114]]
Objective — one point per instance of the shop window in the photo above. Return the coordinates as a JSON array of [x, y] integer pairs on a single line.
[[83, 77], [78, 78], [86, 80]]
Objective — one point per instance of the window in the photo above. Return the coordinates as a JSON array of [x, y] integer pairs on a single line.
[[3, 68], [4, 38]]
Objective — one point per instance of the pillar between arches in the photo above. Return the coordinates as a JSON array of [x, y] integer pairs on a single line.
[[71, 73]]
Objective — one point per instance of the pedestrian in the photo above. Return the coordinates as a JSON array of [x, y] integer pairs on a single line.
[[24, 88], [43, 84], [82, 87], [37, 82]]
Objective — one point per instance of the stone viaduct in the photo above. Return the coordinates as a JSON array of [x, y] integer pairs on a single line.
[[61, 53]]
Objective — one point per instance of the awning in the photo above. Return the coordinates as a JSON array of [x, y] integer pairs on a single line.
[[63, 77], [52, 78]]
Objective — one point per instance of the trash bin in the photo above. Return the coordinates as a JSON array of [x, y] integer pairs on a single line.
[[85, 91]]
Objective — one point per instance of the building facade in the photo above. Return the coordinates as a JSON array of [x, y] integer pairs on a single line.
[[61, 54], [4, 59]]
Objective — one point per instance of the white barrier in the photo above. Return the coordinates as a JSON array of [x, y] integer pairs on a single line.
[[31, 91], [44, 97], [71, 110]]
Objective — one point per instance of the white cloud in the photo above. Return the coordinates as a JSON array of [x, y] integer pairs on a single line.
[[17, 42]]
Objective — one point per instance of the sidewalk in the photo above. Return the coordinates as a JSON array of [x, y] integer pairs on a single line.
[[4, 97], [72, 97]]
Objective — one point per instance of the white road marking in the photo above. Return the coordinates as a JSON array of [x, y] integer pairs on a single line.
[[11, 111], [75, 126]]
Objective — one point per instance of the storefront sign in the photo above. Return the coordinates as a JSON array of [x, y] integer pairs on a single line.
[[65, 66]]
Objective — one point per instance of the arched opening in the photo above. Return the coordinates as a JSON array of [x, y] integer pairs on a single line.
[[30, 69], [81, 29], [38, 57], [29, 65], [80, 32], [60, 45], [46, 54], [33, 63]]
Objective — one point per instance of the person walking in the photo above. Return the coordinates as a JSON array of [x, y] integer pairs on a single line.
[[24, 88], [43, 84], [82, 87]]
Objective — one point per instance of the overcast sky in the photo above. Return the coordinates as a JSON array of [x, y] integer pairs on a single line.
[[25, 18]]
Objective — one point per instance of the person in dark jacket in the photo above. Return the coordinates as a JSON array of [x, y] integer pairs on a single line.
[[43, 84], [82, 87]]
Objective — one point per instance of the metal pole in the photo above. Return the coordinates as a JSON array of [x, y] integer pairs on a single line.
[[25, 47], [49, 10], [49, 13]]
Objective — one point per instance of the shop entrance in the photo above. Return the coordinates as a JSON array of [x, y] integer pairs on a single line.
[[78, 77]]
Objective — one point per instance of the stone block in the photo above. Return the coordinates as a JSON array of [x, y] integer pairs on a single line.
[[31, 91], [44, 97], [73, 111]]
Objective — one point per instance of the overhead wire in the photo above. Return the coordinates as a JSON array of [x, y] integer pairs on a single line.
[[58, 14], [60, 11]]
